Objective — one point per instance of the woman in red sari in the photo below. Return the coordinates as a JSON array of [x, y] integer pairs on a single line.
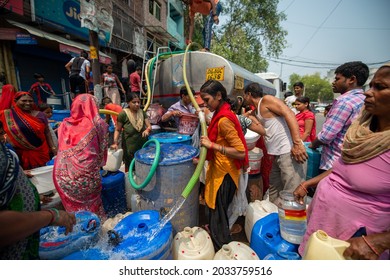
[[82, 150], [306, 119], [27, 131]]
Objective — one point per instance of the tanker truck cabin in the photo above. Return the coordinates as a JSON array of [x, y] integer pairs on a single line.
[[200, 67]]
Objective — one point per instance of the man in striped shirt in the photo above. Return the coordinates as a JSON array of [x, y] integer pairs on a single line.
[[349, 80]]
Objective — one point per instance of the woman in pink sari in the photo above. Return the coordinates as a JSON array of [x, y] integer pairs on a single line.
[[82, 150]]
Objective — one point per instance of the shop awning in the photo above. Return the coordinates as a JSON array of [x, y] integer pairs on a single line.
[[63, 41]]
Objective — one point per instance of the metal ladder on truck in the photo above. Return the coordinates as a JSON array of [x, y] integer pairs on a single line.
[[143, 77]]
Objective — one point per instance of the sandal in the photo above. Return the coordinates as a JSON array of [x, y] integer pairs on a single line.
[[236, 228]]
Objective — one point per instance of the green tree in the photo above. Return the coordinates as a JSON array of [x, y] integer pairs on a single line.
[[316, 88], [250, 30]]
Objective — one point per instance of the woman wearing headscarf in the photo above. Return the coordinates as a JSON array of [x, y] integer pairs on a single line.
[[82, 151], [227, 154], [28, 132], [20, 218], [353, 199]]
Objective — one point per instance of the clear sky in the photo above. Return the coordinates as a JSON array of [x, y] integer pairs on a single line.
[[332, 31]]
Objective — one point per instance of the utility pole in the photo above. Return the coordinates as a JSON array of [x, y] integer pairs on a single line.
[[94, 53]]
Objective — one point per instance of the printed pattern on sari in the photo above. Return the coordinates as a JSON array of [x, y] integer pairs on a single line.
[[25, 199]]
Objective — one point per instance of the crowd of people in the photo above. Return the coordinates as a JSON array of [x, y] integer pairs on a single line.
[[351, 200]]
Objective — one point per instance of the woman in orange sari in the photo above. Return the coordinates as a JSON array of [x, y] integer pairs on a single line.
[[28, 131], [82, 150]]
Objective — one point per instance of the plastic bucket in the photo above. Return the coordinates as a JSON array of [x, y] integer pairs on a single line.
[[255, 155], [43, 179], [251, 138], [188, 124]]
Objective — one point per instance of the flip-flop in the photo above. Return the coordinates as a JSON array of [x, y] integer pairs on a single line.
[[236, 228]]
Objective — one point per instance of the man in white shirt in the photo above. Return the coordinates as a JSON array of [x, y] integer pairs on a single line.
[[298, 92]]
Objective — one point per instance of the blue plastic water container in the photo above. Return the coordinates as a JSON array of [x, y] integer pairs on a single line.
[[113, 193], [54, 244], [313, 163], [172, 138], [59, 115], [50, 162], [283, 256], [131, 239], [266, 238]]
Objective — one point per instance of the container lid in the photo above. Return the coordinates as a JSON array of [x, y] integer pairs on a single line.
[[169, 154], [170, 137], [134, 232]]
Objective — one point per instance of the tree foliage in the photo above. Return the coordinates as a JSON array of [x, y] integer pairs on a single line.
[[251, 30], [316, 88]]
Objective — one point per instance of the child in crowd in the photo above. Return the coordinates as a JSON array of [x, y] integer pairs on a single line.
[[48, 111]]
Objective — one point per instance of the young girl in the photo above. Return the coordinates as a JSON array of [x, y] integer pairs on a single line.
[[227, 155], [48, 111]]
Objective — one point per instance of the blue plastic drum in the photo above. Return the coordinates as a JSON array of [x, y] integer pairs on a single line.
[[172, 138], [54, 244], [113, 193], [172, 175], [139, 236]]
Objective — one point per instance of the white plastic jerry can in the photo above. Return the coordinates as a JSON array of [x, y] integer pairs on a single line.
[[114, 160], [236, 251], [193, 244], [321, 246]]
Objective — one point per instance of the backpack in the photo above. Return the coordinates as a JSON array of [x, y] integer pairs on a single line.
[[75, 69]]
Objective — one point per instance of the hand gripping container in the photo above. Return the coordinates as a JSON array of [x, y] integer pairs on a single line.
[[55, 245]]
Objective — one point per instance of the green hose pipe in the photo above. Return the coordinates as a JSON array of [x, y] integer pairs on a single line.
[[203, 151], [152, 169]]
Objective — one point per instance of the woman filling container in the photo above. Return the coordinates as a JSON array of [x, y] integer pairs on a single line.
[[227, 154]]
